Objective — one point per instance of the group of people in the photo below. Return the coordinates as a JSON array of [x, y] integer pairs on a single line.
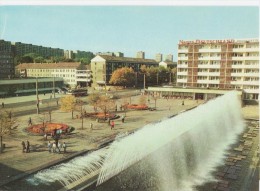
[[56, 147], [26, 146]]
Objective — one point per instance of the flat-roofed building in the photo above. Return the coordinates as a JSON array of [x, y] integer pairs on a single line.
[[140, 54], [158, 57], [6, 60], [103, 66], [66, 70], [220, 64]]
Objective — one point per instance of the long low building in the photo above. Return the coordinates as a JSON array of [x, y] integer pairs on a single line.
[[189, 93], [73, 73], [27, 86]]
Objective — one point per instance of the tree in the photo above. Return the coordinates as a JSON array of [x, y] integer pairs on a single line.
[[6, 125], [123, 76], [68, 104], [39, 59], [102, 102]]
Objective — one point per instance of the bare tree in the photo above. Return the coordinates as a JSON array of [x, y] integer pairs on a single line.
[[6, 125]]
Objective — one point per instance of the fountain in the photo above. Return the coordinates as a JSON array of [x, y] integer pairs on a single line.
[[178, 153]]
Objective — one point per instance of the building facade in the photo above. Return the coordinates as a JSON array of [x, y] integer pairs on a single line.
[[158, 57], [46, 52], [140, 54], [71, 72], [103, 66], [7, 69], [220, 64]]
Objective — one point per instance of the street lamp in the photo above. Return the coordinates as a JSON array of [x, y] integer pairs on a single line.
[[37, 96]]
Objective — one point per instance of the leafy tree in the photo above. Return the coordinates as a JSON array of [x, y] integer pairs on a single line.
[[68, 104], [39, 59], [26, 59], [93, 98], [6, 125], [123, 76]]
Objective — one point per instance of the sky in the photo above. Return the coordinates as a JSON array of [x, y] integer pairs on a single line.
[[127, 29]]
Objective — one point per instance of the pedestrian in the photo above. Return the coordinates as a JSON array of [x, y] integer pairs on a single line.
[[91, 126], [45, 136], [64, 146], [59, 147], [3, 104], [27, 146], [182, 102], [112, 125], [54, 147], [24, 147], [49, 146], [123, 119], [109, 121], [30, 121]]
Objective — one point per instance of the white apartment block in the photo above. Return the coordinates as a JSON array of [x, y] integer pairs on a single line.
[[69, 71], [220, 64]]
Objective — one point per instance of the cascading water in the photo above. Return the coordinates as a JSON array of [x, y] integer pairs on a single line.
[[182, 150], [179, 152]]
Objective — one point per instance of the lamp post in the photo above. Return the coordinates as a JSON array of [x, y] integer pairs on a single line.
[[37, 97], [144, 81], [53, 86]]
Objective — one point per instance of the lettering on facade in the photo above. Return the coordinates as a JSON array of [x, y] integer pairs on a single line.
[[181, 42]]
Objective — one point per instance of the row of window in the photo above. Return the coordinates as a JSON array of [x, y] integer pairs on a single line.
[[52, 70]]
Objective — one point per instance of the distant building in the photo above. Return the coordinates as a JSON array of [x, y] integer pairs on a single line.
[[168, 64], [169, 57], [68, 54], [103, 66], [72, 72], [220, 64], [140, 54], [7, 69], [46, 52], [158, 57], [117, 54]]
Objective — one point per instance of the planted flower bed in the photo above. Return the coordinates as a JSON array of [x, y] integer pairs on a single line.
[[137, 107], [48, 128]]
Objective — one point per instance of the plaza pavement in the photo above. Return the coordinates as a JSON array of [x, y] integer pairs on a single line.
[[14, 163]]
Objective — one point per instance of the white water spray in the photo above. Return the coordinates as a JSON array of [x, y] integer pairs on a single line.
[[182, 150], [194, 143]]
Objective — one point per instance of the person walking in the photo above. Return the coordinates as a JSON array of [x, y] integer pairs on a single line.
[[45, 136], [123, 119], [91, 126], [112, 124], [54, 147], [49, 146], [30, 121], [3, 104], [59, 147], [27, 146], [24, 147], [64, 146]]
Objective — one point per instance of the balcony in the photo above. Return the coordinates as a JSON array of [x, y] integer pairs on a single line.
[[245, 49], [181, 80], [183, 73], [210, 50], [183, 58], [182, 50], [208, 73], [182, 66]]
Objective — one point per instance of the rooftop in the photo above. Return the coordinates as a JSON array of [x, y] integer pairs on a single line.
[[63, 65], [127, 59]]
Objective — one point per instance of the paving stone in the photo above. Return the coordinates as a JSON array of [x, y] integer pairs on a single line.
[[223, 189], [230, 163], [231, 171], [221, 174], [232, 176]]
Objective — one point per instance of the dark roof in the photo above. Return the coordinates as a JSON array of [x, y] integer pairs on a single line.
[[63, 65], [127, 59], [170, 62]]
